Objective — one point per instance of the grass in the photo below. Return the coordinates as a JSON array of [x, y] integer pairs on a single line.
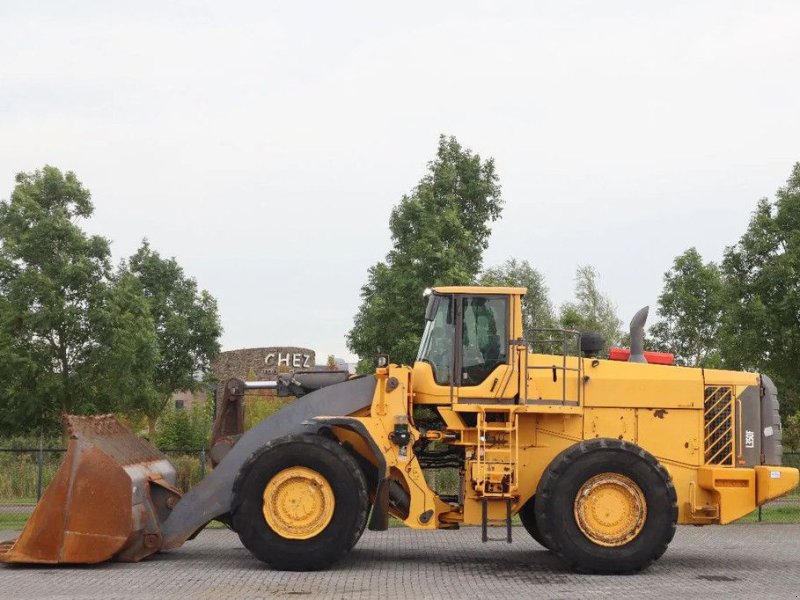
[[19, 473], [770, 514], [14, 520], [17, 520], [774, 514]]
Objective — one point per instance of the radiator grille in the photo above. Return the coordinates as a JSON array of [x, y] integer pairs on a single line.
[[718, 419]]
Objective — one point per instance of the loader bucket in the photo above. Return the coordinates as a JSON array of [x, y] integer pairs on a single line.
[[107, 500]]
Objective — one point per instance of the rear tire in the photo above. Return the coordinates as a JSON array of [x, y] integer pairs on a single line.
[[341, 517], [592, 487], [527, 514]]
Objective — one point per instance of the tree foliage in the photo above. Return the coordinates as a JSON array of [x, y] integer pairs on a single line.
[[439, 233], [76, 337], [762, 276], [690, 308], [187, 328], [592, 310], [537, 310], [57, 302], [128, 347], [745, 313], [791, 432]]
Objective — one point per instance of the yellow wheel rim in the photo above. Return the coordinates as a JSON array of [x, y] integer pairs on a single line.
[[298, 503], [610, 509]]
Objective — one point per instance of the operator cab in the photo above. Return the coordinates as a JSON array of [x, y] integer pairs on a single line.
[[466, 342]]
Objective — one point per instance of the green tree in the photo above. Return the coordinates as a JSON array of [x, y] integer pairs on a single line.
[[537, 310], [187, 328], [762, 276], [124, 367], [55, 297], [22, 410], [439, 233], [690, 308], [592, 310]]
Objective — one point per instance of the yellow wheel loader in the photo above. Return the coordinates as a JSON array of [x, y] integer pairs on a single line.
[[601, 459]]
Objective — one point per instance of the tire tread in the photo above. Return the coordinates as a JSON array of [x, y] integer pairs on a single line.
[[549, 482], [307, 561]]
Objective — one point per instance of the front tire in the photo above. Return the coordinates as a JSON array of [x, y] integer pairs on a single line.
[[299, 503], [606, 506]]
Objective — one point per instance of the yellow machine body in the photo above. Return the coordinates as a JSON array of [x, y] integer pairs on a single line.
[[533, 406]]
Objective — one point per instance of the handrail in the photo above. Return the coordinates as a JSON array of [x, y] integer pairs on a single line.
[[565, 338]]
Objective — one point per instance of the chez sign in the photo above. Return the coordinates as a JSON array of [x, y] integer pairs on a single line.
[[295, 360]]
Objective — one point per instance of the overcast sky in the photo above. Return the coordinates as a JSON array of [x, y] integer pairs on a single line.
[[263, 144]]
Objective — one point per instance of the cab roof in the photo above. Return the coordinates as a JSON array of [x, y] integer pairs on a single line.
[[476, 289]]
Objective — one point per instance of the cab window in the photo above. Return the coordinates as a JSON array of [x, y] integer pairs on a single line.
[[484, 337]]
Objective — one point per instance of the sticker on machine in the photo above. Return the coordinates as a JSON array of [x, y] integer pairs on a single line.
[[749, 439], [768, 431], [774, 474]]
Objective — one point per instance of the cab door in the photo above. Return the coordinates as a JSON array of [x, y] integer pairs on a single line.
[[483, 370], [433, 368]]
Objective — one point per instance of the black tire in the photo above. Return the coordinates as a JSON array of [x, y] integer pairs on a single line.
[[349, 488], [360, 529], [555, 501], [527, 514], [370, 474]]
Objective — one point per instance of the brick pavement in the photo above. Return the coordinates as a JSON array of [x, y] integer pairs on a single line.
[[737, 561]]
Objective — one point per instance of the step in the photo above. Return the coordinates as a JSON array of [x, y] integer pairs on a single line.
[[485, 521]]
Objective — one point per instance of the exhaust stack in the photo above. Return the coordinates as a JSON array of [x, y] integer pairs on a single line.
[[637, 335]]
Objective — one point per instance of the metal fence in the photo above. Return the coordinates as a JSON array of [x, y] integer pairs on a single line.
[[26, 472]]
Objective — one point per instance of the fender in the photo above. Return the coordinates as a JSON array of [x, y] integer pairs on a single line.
[[379, 520]]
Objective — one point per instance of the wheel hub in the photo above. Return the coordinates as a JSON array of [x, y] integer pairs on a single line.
[[610, 509], [298, 503]]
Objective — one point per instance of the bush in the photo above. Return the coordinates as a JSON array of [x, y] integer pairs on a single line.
[[187, 471], [791, 432], [258, 407], [187, 429], [443, 481]]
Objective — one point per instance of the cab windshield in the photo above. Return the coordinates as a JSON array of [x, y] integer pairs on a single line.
[[436, 347], [482, 346]]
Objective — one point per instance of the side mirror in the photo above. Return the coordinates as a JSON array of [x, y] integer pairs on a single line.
[[432, 307]]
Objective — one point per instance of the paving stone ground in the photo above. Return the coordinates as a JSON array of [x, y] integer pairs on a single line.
[[737, 561]]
